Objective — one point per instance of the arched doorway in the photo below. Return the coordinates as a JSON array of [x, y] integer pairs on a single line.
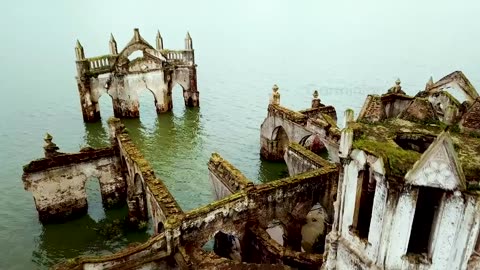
[[281, 140], [178, 101], [94, 199], [105, 106], [147, 107], [140, 199], [225, 245]]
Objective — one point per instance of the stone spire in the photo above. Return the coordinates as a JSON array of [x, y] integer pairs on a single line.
[[316, 102], [113, 45], [429, 84], [79, 51], [49, 147], [275, 98], [136, 34], [159, 41], [188, 42]]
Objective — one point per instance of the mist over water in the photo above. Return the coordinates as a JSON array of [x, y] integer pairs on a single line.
[[344, 49]]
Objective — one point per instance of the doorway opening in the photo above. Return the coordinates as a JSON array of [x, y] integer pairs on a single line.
[[94, 199]]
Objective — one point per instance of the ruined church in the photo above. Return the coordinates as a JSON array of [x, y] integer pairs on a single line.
[[396, 187]]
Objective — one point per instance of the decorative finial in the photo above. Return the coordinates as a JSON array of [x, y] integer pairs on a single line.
[[48, 137], [396, 89], [50, 149], [112, 39], [188, 35], [316, 102], [158, 34], [275, 98], [78, 44]]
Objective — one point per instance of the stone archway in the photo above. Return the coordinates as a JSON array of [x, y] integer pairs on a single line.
[[280, 142], [139, 199]]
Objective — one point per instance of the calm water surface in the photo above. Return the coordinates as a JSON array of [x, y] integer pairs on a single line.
[[343, 49]]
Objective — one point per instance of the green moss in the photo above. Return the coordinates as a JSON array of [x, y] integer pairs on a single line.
[[452, 98], [291, 115], [310, 155], [398, 160]]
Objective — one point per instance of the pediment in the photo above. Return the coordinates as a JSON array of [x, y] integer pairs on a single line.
[[438, 167]]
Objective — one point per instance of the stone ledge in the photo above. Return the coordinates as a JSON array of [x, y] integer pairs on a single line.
[[225, 171], [68, 159], [311, 156]]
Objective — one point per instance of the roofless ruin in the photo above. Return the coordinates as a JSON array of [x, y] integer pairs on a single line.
[[122, 78], [395, 188]]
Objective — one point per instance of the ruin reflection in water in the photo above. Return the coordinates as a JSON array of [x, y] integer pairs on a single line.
[[176, 146]]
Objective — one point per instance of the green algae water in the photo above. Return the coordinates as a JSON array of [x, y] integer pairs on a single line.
[[344, 49]]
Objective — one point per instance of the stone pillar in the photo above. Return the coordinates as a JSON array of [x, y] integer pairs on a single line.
[[275, 97], [192, 96], [125, 106], [89, 110], [349, 116], [316, 103]]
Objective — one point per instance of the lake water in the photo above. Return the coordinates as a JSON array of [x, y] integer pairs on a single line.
[[344, 49]]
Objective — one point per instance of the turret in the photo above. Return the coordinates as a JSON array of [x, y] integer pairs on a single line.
[[188, 42], [159, 41], [79, 51], [113, 45]]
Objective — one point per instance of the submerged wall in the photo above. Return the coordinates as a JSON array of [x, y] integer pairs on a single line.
[[58, 183]]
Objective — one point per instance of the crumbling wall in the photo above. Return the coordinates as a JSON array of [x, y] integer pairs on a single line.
[[263, 249], [149, 255], [291, 122], [300, 160], [263, 203], [225, 178], [150, 193], [394, 104], [58, 183]]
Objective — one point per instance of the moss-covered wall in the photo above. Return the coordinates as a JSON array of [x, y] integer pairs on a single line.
[[225, 174]]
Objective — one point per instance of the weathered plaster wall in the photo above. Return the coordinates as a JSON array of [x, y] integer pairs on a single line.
[[395, 104], [157, 71], [297, 128], [300, 160], [58, 183], [146, 192], [225, 178], [453, 233]]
